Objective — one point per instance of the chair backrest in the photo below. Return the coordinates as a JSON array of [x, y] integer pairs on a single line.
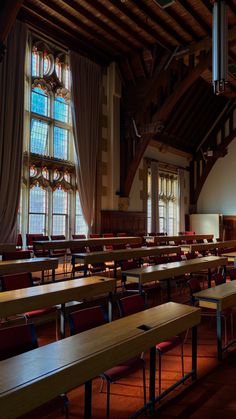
[[17, 281], [58, 237], [218, 278], [191, 255], [131, 304], [129, 264], [86, 319], [108, 235], [121, 234], [194, 286], [175, 258], [20, 254], [232, 273], [161, 259], [78, 236], [19, 241], [30, 238], [94, 236], [16, 340]]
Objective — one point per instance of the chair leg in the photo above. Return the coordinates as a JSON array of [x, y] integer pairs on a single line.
[[101, 386], [108, 400], [159, 373], [182, 358]]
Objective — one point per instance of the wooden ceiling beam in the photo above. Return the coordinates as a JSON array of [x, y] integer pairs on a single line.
[[105, 27], [8, 13], [182, 23], [106, 46], [58, 33], [141, 24], [200, 21], [98, 7], [183, 86], [158, 21]]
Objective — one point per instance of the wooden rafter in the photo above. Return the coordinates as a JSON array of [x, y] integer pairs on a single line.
[[190, 31], [200, 21]]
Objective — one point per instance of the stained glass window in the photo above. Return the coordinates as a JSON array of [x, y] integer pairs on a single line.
[[61, 109], [80, 224], [37, 210], [39, 137], [60, 145], [60, 212], [39, 101]]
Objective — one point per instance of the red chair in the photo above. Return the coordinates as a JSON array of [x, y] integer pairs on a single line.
[[17, 340], [96, 267], [24, 280], [19, 241], [59, 253], [121, 234], [89, 318], [78, 236], [232, 274], [133, 304]]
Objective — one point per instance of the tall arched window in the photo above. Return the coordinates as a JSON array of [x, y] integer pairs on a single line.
[[49, 161]]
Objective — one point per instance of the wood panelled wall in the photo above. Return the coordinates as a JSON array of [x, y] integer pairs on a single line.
[[229, 227], [131, 222]]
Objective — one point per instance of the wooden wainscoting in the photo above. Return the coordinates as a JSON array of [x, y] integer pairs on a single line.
[[131, 222], [229, 227]]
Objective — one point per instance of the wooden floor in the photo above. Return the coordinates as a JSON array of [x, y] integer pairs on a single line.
[[212, 396]]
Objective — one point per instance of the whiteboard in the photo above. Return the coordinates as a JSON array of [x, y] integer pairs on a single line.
[[205, 224]]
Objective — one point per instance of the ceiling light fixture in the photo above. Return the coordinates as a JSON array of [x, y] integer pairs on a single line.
[[219, 46]]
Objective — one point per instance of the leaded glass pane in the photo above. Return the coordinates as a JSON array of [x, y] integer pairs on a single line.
[[37, 223], [80, 224], [60, 143], [38, 200], [59, 225], [35, 64], [39, 137], [60, 198], [39, 102], [61, 109]]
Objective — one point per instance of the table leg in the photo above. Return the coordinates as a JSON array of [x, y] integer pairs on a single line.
[[62, 320], [209, 278], [224, 272], [53, 275], [194, 352], [85, 270], [219, 333], [152, 378], [115, 269], [110, 300], [168, 289], [88, 400]]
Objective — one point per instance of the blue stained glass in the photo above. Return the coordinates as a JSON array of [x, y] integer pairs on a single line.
[[61, 109], [39, 102], [60, 201], [60, 143], [39, 137]]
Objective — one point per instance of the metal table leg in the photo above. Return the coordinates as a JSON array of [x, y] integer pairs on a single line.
[[88, 400]]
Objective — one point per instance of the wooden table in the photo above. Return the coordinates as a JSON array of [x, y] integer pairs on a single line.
[[47, 295], [203, 247], [8, 267], [167, 239], [43, 373], [73, 244], [166, 272], [218, 298], [122, 254], [230, 255]]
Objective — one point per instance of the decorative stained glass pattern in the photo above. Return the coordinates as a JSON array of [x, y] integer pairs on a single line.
[[60, 146], [35, 64], [61, 109], [39, 101], [39, 137]]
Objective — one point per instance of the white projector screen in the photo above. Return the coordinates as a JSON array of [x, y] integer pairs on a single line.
[[205, 224]]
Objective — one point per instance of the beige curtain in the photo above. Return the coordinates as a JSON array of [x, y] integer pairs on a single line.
[[86, 95], [11, 130], [181, 200], [154, 197]]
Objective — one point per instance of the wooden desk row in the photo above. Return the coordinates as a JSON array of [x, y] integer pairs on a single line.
[[167, 272], [73, 244], [48, 371], [202, 247], [167, 239], [8, 267]]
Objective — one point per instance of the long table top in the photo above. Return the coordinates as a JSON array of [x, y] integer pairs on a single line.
[[224, 295], [167, 239], [73, 244], [43, 373], [124, 254], [33, 298], [8, 267], [172, 269], [198, 247]]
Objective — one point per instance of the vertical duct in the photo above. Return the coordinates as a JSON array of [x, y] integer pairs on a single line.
[[219, 46]]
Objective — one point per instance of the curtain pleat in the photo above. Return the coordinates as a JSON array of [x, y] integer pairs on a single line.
[[154, 197], [181, 200]]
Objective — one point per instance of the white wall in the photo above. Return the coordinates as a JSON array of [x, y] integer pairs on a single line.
[[218, 194]]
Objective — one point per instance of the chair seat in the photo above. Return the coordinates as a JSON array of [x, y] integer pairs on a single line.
[[124, 369], [60, 402], [35, 313], [166, 346]]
